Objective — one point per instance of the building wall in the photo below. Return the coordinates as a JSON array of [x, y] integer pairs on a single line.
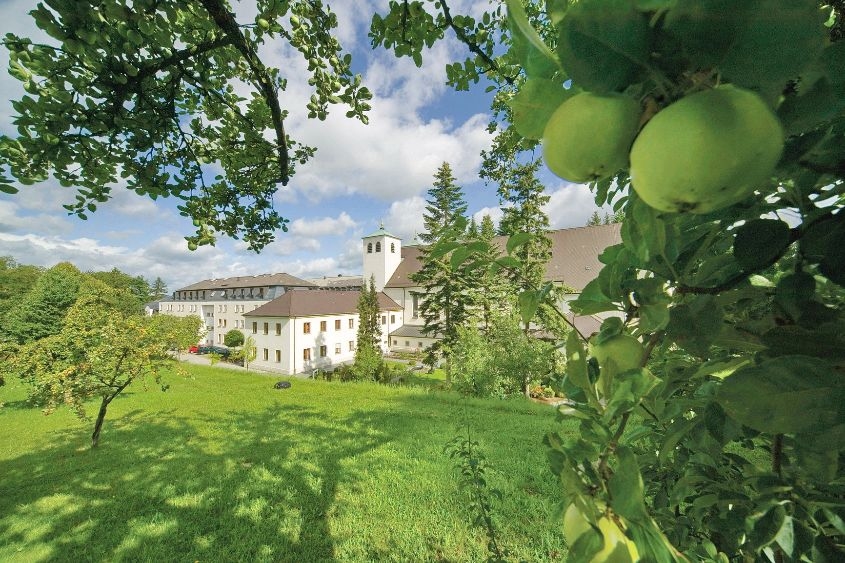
[[219, 317], [381, 263]]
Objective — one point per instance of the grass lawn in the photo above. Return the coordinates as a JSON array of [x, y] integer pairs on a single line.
[[222, 467]]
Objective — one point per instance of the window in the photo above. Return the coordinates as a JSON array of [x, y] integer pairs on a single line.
[[220, 338], [407, 344], [306, 328], [254, 328], [419, 344], [337, 348], [323, 351], [369, 248], [378, 247], [392, 319], [225, 323], [266, 354], [392, 248], [278, 329], [351, 345], [278, 356], [351, 323], [384, 319], [337, 324], [266, 328], [306, 354], [395, 342], [323, 326], [415, 297]]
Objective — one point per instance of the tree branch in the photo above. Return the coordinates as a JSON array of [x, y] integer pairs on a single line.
[[225, 20], [472, 45]]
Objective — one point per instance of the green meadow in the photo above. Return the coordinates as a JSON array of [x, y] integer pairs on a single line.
[[222, 467]]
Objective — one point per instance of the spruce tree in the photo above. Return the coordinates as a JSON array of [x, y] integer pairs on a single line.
[[525, 194], [445, 305], [368, 360]]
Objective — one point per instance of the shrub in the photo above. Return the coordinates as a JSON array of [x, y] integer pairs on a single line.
[[233, 338]]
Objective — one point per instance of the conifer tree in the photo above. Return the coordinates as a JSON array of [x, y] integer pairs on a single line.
[[445, 305], [368, 360], [525, 194]]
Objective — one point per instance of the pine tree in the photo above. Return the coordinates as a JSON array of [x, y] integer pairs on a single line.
[[158, 289], [446, 205], [368, 360], [595, 219], [445, 304], [490, 293], [525, 194]]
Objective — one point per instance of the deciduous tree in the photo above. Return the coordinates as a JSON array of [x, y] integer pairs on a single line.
[[100, 351], [151, 96], [42, 310]]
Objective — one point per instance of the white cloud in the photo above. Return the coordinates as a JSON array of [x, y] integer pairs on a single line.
[[405, 218], [495, 214], [570, 205], [322, 226], [12, 219]]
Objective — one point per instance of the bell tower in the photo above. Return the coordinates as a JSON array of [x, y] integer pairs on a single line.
[[382, 253]]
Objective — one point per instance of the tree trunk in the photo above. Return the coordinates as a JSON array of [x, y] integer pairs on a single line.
[[98, 425]]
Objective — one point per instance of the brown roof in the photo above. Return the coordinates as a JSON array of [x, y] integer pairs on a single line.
[[410, 263], [318, 302], [574, 261], [575, 253], [262, 280]]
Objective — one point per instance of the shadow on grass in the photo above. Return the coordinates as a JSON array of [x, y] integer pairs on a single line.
[[159, 488]]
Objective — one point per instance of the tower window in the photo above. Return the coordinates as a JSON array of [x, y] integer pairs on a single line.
[[378, 247], [392, 248], [369, 248]]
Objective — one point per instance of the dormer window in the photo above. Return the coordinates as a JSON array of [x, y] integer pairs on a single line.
[[378, 247], [369, 248], [392, 248]]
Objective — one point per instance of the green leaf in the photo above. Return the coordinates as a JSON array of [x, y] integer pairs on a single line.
[[789, 394], [603, 44], [759, 242], [766, 527], [517, 240], [576, 362], [696, 324], [536, 57], [626, 486], [822, 242], [823, 341], [794, 291], [529, 301], [8, 189], [534, 104], [592, 300], [775, 43]]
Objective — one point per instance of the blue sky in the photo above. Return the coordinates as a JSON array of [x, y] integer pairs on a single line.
[[360, 176]]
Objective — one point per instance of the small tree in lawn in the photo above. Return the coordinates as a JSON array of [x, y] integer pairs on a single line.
[[368, 360], [99, 352], [249, 351]]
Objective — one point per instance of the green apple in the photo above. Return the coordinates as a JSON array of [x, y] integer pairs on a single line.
[[574, 524], [624, 350], [617, 548], [706, 151], [588, 137]]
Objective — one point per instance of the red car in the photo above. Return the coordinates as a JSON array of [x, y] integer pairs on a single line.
[[193, 349]]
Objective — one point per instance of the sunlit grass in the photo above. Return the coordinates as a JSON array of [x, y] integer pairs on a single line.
[[222, 467]]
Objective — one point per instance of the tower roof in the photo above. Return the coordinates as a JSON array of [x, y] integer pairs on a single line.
[[382, 233]]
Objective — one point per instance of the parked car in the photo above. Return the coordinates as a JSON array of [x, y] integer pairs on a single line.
[[224, 352], [193, 349], [205, 349]]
